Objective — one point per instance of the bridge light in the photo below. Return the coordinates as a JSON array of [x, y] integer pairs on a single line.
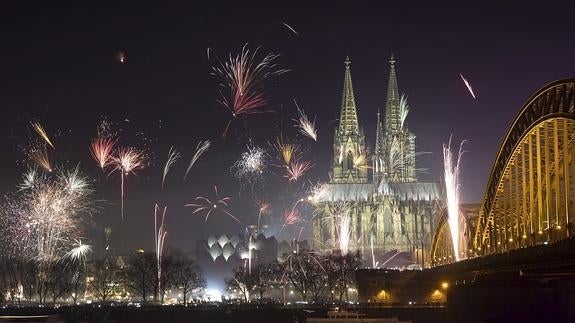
[[540, 232], [524, 236], [558, 227], [510, 239], [498, 242], [444, 285]]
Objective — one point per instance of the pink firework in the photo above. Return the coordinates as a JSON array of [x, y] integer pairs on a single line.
[[203, 204], [243, 76], [127, 161], [291, 216], [101, 149], [296, 169]]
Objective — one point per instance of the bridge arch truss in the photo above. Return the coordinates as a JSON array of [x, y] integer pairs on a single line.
[[530, 195]]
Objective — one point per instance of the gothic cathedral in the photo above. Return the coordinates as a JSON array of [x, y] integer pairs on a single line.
[[374, 203]]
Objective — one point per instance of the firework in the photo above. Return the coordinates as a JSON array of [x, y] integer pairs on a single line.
[[127, 161], [250, 167], [46, 212], [159, 238], [200, 149], [286, 151], [264, 208], [305, 126], [344, 232], [79, 251], [318, 193], [101, 149], [296, 169], [121, 57], [403, 109], [359, 161], [203, 204], [173, 156], [451, 177], [39, 155], [291, 216], [242, 77], [29, 179], [467, 85], [42, 133]]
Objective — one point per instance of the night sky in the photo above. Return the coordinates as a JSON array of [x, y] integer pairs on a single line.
[[58, 64]]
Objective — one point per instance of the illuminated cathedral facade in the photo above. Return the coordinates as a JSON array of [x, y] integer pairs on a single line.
[[374, 203]]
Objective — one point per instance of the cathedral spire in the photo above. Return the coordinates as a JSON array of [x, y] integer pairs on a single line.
[[348, 117], [392, 115]]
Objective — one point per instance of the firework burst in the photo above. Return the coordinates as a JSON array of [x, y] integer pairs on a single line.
[[203, 204], [286, 151], [403, 110], [250, 167], [242, 77], [46, 212], [305, 126], [173, 157], [200, 149], [101, 149], [452, 185], [297, 169], [79, 251], [127, 161], [39, 155], [42, 133]]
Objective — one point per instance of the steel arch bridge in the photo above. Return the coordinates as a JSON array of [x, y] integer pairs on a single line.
[[530, 195]]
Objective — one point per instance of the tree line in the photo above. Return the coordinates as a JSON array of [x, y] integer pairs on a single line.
[[314, 277], [135, 278]]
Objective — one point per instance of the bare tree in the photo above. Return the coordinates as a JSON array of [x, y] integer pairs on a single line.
[[305, 272], [104, 281], [187, 276], [263, 276], [242, 281], [140, 274]]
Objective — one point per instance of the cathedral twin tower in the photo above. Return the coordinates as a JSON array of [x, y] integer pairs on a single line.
[[374, 203], [394, 156]]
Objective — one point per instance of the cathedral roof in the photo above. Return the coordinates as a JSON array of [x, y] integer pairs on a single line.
[[412, 191]]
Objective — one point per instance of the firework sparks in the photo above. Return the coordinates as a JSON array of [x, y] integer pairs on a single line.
[[264, 208], [250, 167], [451, 176], [403, 110], [173, 157], [318, 193], [203, 204], [159, 238], [42, 133], [305, 126], [39, 155], [29, 179], [286, 151], [79, 251], [297, 169], [344, 232], [121, 57], [467, 85], [291, 216], [46, 213], [200, 149], [243, 76], [127, 161], [359, 161], [101, 149]]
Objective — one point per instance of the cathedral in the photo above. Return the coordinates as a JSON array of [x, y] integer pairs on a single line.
[[374, 202]]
